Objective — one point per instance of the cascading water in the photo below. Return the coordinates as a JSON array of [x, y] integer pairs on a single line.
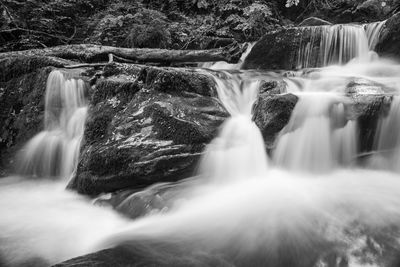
[[243, 208], [238, 151], [282, 218], [41, 222], [318, 131], [54, 151], [337, 44], [226, 66], [387, 140], [373, 31]]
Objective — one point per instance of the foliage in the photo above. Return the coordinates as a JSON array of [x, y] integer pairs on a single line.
[[149, 30], [177, 24], [252, 21], [290, 3]]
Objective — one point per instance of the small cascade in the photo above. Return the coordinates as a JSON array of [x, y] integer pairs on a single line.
[[373, 31], [222, 65], [318, 137], [337, 44], [54, 151], [238, 151], [387, 141]]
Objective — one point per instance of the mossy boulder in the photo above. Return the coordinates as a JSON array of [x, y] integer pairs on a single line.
[[280, 49], [146, 125]]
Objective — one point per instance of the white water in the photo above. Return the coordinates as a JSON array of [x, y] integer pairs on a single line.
[[270, 208], [54, 151], [39, 218], [243, 203], [338, 44], [318, 136], [238, 151], [387, 140]]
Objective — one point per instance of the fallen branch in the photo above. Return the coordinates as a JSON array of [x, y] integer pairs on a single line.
[[96, 53]]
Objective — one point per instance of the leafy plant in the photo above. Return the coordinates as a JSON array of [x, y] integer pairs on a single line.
[[256, 20], [149, 30], [290, 3]]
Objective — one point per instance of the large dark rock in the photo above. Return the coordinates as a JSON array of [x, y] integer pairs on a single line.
[[146, 125], [274, 50], [272, 113], [280, 49], [389, 41]]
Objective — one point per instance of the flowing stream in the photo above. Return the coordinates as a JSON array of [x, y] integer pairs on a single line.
[[283, 208]]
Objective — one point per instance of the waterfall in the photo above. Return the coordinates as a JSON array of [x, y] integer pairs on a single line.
[[306, 206], [337, 44], [318, 137], [387, 141], [55, 150], [238, 150], [222, 65], [42, 223], [373, 31]]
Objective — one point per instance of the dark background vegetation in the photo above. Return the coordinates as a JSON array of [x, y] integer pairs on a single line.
[[172, 24]]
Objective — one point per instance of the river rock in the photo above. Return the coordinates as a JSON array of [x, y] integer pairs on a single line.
[[280, 49], [272, 113], [389, 41], [146, 125]]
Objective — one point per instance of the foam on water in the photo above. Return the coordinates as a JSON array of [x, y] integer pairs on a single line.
[[241, 206]]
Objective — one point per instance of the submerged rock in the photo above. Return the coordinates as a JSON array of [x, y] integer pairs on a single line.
[[146, 125]]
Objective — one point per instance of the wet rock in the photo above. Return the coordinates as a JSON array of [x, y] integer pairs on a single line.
[[372, 10], [272, 87], [21, 112], [314, 21], [146, 125], [151, 254], [280, 49], [368, 110], [362, 86], [158, 198], [272, 113], [389, 41]]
